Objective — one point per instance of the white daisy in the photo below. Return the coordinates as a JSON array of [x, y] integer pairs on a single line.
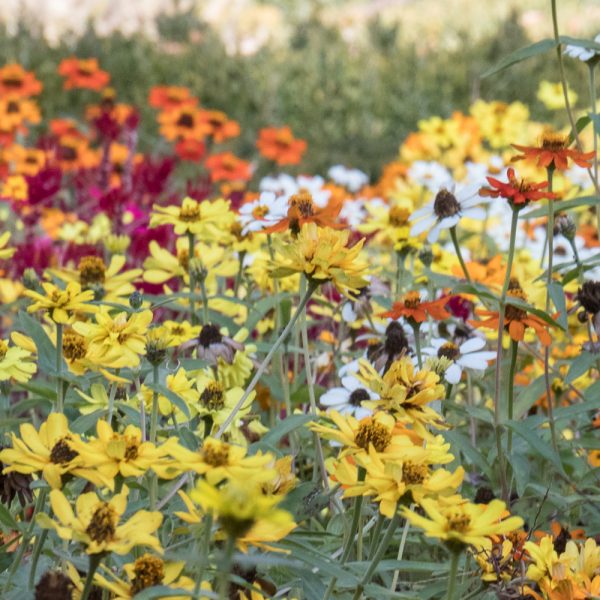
[[282, 185], [583, 54], [348, 398], [430, 174], [466, 356], [267, 210], [351, 179], [446, 210]]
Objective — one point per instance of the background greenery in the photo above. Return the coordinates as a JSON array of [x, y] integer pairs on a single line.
[[353, 103]]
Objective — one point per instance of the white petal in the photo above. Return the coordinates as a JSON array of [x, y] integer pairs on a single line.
[[423, 225], [453, 373], [422, 212], [334, 396], [351, 383], [475, 343]]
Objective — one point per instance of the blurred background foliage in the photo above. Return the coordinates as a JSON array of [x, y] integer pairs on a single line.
[[352, 102]]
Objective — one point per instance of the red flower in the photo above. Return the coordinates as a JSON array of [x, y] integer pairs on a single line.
[[517, 192], [228, 167], [280, 145], [83, 73], [553, 152], [411, 307], [167, 97], [15, 80], [192, 150]]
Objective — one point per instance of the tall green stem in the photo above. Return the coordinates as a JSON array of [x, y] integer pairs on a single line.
[[94, 563], [59, 360], [459, 253], [312, 286], [225, 568], [203, 553], [153, 491], [192, 277], [514, 347], [417, 331], [455, 557]]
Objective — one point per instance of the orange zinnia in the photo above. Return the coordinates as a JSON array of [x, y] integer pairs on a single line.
[[75, 153], [182, 123], [192, 150], [518, 192], [168, 97], [228, 167], [553, 152], [218, 125], [16, 111], [516, 319], [280, 145], [410, 306], [14, 79], [84, 73], [303, 210]]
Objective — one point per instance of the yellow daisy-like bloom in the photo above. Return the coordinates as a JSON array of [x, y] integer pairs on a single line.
[[145, 572], [459, 522], [95, 523], [544, 559], [496, 563], [50, 453], [218, 460], [179, 384], [179, 332], [124, 453], [107, 282], [208, 220], [62, 305], [404, 391], [242, 511], [284, 480], [323, 255], [15, 363], [4, 251], [552, 97], [116, 342]]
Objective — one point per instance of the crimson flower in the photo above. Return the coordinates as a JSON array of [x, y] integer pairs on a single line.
[[517, 191]]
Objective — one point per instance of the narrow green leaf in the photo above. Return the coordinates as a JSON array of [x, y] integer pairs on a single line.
[[542, 448], [520, 55], [7, 519], [284, 427], [178, 401], [579, 366], [558, 297], [562, 206]]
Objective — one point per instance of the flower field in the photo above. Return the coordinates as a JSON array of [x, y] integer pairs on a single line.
[[222, 376]]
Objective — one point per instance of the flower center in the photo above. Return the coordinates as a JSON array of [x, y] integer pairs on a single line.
[[514, 313], [210, 334], [91, 270], [589, 297], [260, 212], [371, 432], [12, 107], [357, 396], [62, 453], [185, 120], [215, 455], [103, 523], [445, 204], [554, 142], [413, 474], [412, 300], [3, 349], [148, 571], [131, 448], [12, 82], [398, 216], [183, 258], [395, 339], [212, 396], [448, 350], [458, 522], [189, 213], [74, 346], [303, 202]]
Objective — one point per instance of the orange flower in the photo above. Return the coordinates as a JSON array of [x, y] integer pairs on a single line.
[[517, 192], [411, 307], [83, 73], [168, 97], [15, 80], [16, 111], [14, 188], [182, 123], [26, 161], [75, 153], [590, 234], [553, 152], [228, 167], [218, 125], [516, 319], [280, 145], [490, 273], [302, 210], [65, 127], [192, 150]]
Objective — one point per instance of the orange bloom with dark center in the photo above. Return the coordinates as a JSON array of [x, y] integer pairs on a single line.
[[15, 111], [219, 125], [280, 145], [84, 73], [182, 123], [303, 210], [553, 152], [517, 191], [228, 167], [410, 306], [15, 80], [516, 319], [168, 97], [75, 153], [26, 161], [65, 127], [192, 150]]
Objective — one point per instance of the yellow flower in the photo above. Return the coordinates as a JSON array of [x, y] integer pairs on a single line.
[[208, 220], [49, 452], [62, 305], [459, 522], [4, 251], [180, 332], [323, 255], [552, 97], [95, 523], [179, 384], [15, 363], [15, 187], [116, 342], [544, 557]]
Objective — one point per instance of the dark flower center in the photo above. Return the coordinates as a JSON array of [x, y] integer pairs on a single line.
[[395, 339], [371, 432], [62, 453], [212, 396], [148, 571], [589, 296], [210, 334], [445, 204], [91, 270], [185, 120], [215, 456], [103, 524], [357, 396], [413, 474], [74, 346], [448, 350], [303, 202]]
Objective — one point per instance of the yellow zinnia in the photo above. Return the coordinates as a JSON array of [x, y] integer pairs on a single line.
[[62, 305]]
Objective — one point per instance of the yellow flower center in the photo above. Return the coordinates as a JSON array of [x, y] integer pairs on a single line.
[[131, 448], [303, 202], [103, 523], [183, 258], [92, 270], [215, 455], [212, 396], [458, 521], [449, 351], [148, 571], [189, 213], [554, 141], [514, 313], [412, 300], [413, 474], [372, 432], [260, 211], [61, 452], [445, 204], [3, 349], [398, 216], [74, 346]]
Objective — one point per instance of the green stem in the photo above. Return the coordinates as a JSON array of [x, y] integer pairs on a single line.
[[401, 552], [94, 563], [35, 557], [203, 553], [111, 400], [154, 414], [59, 361], [311, 288], [459, 253], [192, 277], [451, 595], [383, 546], [417, 331], [225, 568], [238, 277], [514, 347]]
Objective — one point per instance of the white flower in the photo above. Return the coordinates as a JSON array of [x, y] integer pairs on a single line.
[[583, 54], [347, 399], [446, 210], [267, 210], [313, 185], [353, 212], [352, 179], [282, 185], [430, 174], [466, 356]]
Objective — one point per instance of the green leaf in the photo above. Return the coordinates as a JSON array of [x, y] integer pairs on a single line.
[[580, 125], [562, 206], [473, 455], [46, 351], [520, 55], [7, 519], [87, 422], [284, 427], [534, 311], [558, 297], [164, 591], [580, 42], [178, 401], [579, 366], [525, 430]]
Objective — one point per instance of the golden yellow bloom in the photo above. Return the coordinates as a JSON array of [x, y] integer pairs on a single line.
[[459, 522], [15, 188], [179, 384], [49, 452], [323, 255], [116, 342], [15, 363], [95, 523], [180, 332], [62, 305], [208, 220]]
